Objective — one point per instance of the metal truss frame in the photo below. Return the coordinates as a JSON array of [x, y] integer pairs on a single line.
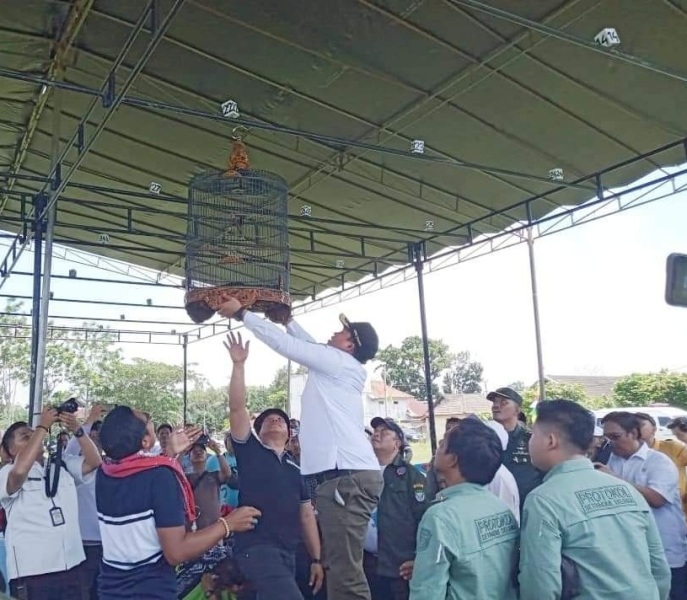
[[475, 246]]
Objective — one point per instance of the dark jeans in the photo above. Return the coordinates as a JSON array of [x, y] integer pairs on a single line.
[[678, 583], [89, 571], [63, 585], [271, 572]]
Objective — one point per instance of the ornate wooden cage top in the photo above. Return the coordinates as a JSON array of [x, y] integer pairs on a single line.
[[236, 239]]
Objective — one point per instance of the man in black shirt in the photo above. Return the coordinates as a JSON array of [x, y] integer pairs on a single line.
[[271, 481], [506, 406]]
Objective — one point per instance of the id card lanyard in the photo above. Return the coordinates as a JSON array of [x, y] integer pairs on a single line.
[[56, 515]]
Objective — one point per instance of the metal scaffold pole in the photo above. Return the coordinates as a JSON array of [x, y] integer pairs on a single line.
[[47, 261], [185, 347], [537, 325], [39, 203], [417, 252]]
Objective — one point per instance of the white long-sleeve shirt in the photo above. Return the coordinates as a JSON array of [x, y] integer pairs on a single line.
[[85, 493], [332, 433]]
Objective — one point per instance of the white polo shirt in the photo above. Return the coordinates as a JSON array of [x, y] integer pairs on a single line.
[[332, 433], [34, 545]]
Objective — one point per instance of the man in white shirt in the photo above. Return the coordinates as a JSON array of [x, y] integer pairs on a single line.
[[504, 485], [334, 445], [656, 478], [43, 539]]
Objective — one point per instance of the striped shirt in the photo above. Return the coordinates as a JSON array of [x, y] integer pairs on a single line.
[[130, 509]]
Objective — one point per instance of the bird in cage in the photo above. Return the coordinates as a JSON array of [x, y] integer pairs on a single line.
[[238, 160], [236, 239]]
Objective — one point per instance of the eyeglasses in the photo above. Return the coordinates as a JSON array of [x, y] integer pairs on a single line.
[[614, 436]]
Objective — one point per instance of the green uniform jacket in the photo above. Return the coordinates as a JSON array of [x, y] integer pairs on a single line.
[[516, 459], [466, 547], [603, 525], [401, 506]]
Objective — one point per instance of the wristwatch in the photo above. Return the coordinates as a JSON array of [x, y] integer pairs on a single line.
[[79, 433], [316, 561]]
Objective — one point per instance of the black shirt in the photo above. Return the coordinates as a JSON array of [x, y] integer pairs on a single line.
[[517, 460], [274, 486]]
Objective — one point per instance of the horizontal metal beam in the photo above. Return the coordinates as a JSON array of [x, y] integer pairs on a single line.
[[560, 221], [76, 16], [111, 101], [570, 38], [334, 143], [106, 320]]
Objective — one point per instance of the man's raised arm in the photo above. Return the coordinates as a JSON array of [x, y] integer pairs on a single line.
[[317, 357], [239, 419]]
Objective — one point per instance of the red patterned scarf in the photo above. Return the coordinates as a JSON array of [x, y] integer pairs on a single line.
[[137, 463]]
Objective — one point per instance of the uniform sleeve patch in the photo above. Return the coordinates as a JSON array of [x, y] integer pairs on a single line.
[[424, 537], [419, 492], [496, 526], [604, 498]]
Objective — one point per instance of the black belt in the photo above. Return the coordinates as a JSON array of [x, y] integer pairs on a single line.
[[335, 474]]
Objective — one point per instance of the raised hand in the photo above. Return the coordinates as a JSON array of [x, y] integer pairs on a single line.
[[181, 439], [49, 417], [238, 351], [69, 421], [230, 308]]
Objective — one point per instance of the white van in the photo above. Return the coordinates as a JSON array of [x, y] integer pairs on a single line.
[[662, 414]]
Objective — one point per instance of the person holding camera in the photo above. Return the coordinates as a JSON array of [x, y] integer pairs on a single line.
[[43, 539], [206, 484]]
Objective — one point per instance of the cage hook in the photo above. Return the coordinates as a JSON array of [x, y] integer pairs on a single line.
[[239, 133]]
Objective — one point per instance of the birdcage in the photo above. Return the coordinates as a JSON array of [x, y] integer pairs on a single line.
[[236, 239]]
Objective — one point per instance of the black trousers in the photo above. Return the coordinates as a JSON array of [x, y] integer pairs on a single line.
[[678, 583], [64, 585], [384, 588], [89, 571], [271, 572]]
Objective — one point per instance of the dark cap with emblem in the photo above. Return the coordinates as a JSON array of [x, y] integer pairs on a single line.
[[507, 393], [364, 339], [391, 425]]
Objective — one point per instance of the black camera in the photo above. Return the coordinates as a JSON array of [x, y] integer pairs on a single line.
[[204, 439], [68, 406]]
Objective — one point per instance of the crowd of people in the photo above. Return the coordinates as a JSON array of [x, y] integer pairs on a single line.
[[327, 508]]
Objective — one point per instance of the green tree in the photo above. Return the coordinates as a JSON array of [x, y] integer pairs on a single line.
[[153, 387], [404, 365], [464, 376], [642, 389], [553, 390], [208, 406], [15, 358]]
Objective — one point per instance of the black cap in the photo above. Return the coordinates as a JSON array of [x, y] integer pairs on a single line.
[[507, 393], [680, 422], [260, 419], [364, 338], [389, 424]]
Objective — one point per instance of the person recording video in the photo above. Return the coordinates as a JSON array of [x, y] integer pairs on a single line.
[[43, 539]]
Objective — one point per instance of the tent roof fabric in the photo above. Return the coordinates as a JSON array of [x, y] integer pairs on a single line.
[[475, 88]]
